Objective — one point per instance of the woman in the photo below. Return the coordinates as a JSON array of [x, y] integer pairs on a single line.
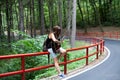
[[52, 45]]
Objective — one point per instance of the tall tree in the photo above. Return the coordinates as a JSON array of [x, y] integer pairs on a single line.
[[60, 13], [81, 12], [21, 17], [73, 33], [0, 22], [42, 17], [96, 13], [8, 21], [64, 12], [68, 14], [50, 7], [33, 18]]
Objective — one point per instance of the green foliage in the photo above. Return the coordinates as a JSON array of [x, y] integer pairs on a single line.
[[8, 66], [31, 45], [65, 44], [28, 45], [24, 46], [49, 72], [5, 49], [17, 33]]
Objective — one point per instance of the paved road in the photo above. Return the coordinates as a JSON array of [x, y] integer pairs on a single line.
[[108, 70]]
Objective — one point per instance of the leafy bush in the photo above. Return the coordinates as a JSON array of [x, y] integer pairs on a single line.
[[28, 45]]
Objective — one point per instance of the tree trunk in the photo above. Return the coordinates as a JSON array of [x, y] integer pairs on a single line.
[[68, 13], [21, 17], [50, 7], [39, 19], [88, 13], [80, 9], [33, 18], [97, 14], [11, 20], [73, 34], [8, 23], [42, 17], [1, 33], [92, 2], [60, 13], [64, 13]]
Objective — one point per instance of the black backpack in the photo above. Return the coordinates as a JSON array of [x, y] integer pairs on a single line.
[[44, 46]]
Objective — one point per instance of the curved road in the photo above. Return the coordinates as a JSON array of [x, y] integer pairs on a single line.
[[108, 70]]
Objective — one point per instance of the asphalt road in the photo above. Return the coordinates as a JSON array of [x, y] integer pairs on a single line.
[[108, 70]]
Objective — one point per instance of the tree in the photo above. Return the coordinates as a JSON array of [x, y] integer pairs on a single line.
[[44, 14], [73, 33], [8, 21], [42, 17], [21, 17], [0, 22], [96, 13], [60, 13], [81, 12], [68, 13], [33, 18], [50, 7]]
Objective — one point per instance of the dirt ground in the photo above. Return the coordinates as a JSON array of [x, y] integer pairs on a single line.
[[105, 29], [91, 29]]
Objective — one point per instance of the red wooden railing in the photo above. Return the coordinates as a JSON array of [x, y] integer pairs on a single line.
[[98, 43]]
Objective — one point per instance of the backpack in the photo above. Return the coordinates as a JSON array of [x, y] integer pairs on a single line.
[[45, 49], [44, 46]]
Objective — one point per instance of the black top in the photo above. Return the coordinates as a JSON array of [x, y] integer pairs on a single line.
[[49, 43]]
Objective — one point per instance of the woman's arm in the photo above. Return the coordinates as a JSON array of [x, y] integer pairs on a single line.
[[52, 36]]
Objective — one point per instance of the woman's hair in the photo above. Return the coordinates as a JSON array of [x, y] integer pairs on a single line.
[[57, 29]]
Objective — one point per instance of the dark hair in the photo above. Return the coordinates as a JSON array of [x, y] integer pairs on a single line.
[[57, 30]]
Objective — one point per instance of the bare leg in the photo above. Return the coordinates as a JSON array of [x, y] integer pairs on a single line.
[[57, 65], [61, 75]]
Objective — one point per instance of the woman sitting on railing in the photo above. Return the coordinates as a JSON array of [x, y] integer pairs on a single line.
[[52, 45]]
